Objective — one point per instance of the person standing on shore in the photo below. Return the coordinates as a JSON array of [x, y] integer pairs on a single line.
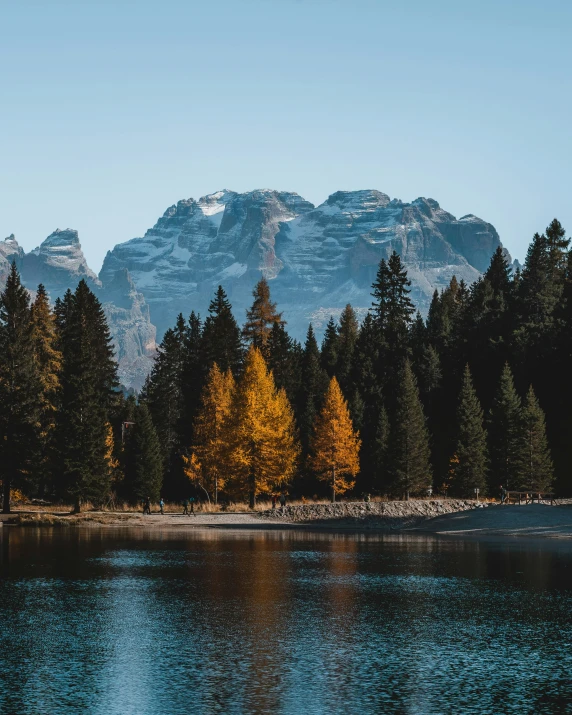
[[147, 506], [283, 500], [185, 507], [161, 506], [192, 502]]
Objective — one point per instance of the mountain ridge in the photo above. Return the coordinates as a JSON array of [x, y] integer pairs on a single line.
[[316, 258]]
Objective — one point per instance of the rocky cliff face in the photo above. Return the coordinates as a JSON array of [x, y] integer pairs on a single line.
[[58, 263], [9, 251], [316, 258], [134, 335]]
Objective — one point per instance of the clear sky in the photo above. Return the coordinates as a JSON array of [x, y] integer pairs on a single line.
[[111, 111]]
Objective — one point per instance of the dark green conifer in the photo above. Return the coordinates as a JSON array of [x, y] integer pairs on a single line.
[[505, 435], [329, 353], [143, 462], [470, 461], [409, 444], [284, 358], [19, 388], [536, 469], [221, 336], [89, 380], [347, 338]]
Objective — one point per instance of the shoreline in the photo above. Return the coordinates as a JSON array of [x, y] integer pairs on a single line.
[[449, 519]]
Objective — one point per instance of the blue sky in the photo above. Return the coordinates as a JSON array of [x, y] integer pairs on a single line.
[[112, 111]]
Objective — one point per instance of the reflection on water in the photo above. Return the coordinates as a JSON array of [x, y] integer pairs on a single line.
[[211, 621]]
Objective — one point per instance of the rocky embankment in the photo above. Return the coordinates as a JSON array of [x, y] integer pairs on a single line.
[[373, 515]]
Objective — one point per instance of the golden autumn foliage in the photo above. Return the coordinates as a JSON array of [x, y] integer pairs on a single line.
[[335, 444], [262, 448], [209, 438], [193, 470]]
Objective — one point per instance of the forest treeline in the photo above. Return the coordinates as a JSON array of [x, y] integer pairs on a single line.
[[476, 395]]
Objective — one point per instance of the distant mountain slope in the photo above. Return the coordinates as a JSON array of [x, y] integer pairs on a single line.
[[58, 263], [317, 258]]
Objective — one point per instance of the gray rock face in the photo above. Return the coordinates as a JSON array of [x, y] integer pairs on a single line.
[[317, 259], [9, 251], [134, 335], [59, 264]]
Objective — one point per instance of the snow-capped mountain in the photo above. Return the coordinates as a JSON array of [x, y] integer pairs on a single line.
[[317, 259]]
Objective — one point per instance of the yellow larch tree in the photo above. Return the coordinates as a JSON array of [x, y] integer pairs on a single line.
[[335, 445], [208, 440], [262, 446]]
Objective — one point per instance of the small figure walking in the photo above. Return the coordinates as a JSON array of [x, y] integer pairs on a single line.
[[162, 506], [283, 500], [192, 502], [273, 502], [147, 506], [502, 494], [185, 506]]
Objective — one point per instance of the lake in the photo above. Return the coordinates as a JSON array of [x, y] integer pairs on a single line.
[[121, 621]]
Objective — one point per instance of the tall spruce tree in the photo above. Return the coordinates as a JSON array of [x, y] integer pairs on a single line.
[[470, 459], [284, 358], [348, 332], [19, 387], [143, 462], [409, 443], [329, 353], [164, 398], [505, 435], [192, 379], [536, 470], [313, 385], [89, 381], [221, 336]]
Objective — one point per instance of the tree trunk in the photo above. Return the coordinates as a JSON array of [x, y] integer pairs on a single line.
[[6, 490], [216, 490]]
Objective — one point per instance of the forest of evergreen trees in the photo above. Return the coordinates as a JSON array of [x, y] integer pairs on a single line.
[[477, 395]]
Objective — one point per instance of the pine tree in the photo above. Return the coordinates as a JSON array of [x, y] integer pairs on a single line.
[[143, 462], [209, 435], [347, 338], [89, 380], [262, 449], [284, 358], [536, 470], [313, 385], [261, 318], [329, 353], [164, 397], [335, 445], [48, 364], [505, 434], [193, 376], [221, 336], [19, 386], [471, 450], [409, 447]]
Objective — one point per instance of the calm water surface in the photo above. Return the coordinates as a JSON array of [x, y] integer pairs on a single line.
[[133, 621]]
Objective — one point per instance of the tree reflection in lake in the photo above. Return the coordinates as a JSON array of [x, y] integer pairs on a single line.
[[147, 621]]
